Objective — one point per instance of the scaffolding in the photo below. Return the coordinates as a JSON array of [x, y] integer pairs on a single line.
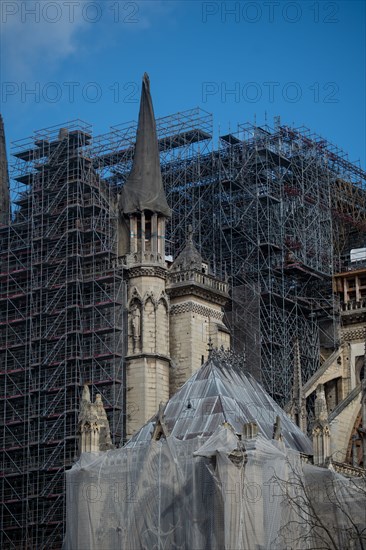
[[274, 210], [61, 319]]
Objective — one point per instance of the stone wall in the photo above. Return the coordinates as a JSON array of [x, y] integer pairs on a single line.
[[192, 323], [147, 387]]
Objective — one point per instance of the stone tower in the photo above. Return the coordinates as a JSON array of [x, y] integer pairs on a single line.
[[144, 211], [4, 179], [173, 312], [197, 299]]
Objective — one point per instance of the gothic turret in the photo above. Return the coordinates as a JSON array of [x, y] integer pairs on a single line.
[[142, 202], [143, 213], [197, 300], [4, 179], [321, 431], [94, 433], [189, 258]]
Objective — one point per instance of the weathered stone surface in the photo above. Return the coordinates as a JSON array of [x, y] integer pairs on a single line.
[[94, 433]]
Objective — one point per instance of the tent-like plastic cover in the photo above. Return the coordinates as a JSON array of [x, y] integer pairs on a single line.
[[221, 391], [200, 484]]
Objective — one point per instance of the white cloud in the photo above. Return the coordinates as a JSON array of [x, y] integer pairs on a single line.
[[38, 34], [150, 12]]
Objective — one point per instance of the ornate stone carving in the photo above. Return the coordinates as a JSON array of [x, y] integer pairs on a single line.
[[165, 299], [149, 296], [153, 271], [93, 425], [321, 431], [136, 327], [196, 308], [135, 295], [353, 334]]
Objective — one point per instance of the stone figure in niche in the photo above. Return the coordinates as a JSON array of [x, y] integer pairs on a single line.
[[86, 393], [136, 327]]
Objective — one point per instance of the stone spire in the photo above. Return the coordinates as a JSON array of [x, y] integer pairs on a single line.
[[298, 404], [320, 406], [143, 189], [189, 258], [93, 425], [4, 179], [321, 431]]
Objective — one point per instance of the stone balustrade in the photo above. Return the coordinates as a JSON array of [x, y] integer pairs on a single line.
[[353, 306], [196, 277], [132, 258]]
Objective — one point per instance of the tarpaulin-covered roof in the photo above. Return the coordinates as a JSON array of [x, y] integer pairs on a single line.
[[191, 479], [221, 391]]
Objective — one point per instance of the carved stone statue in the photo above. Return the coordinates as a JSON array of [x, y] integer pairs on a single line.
[[86, 393], [136, 327]]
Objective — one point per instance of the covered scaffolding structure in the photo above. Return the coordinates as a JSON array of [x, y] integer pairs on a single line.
[[276, 210]]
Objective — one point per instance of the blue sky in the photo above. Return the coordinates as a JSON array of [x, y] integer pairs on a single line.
[[302, 60]]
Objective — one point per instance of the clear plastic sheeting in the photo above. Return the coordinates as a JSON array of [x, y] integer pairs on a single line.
[[221, 391], [337, 507], [207, 493], [189, 479]]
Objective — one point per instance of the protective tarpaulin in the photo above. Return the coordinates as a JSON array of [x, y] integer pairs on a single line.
[[200, 484], [144, 189], [165, 495], [222, 391]]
